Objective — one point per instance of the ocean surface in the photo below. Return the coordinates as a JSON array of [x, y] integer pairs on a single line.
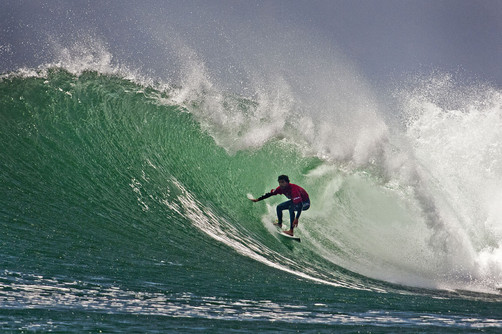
[[124, 204]]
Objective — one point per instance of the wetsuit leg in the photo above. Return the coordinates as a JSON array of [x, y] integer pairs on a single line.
[[292, 209], [304, 206], [283, 206]]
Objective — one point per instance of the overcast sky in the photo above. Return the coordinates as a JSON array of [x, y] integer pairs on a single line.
[[383, 38]]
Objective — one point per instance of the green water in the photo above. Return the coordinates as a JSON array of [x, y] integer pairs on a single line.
[[120, 213]]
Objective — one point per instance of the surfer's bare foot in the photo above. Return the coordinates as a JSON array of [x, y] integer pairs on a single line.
[[278, 224], [290, 232]]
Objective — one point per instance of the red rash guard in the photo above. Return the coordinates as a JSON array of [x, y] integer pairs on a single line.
[[293, 192]]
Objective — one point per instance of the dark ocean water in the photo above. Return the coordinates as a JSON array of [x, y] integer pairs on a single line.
[[125, 210]]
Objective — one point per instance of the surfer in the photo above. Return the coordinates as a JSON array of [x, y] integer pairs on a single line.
[[298, 201]]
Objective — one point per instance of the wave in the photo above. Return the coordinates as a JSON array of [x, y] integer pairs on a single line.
[[112, 153]]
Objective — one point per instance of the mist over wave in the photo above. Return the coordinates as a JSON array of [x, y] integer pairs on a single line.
[[425, 210], [454, 133], [430, 214]]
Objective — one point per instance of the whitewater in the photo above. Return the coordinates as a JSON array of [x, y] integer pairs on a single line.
[[422, 198], [124, 196]]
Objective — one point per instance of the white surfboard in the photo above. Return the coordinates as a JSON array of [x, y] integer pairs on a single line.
[[284, 235]]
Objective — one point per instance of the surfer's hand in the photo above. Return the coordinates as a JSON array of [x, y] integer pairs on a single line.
[[253, 200], [295, 222]]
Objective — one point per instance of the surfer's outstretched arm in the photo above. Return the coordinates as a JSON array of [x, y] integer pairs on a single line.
[[267, 195]]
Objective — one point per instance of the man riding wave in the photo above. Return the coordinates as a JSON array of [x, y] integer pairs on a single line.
[[298, 201]]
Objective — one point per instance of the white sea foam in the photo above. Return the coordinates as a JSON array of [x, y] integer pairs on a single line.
[[428, 213]]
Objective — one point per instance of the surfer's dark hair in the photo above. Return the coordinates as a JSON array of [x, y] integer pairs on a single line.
[[283, 177]]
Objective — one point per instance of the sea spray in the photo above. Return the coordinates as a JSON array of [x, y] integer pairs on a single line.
[[455, 134]]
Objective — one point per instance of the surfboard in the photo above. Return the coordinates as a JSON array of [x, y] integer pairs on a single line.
[[287, 236]]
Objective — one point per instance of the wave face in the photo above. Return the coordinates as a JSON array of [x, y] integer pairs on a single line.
[[122, 197]]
